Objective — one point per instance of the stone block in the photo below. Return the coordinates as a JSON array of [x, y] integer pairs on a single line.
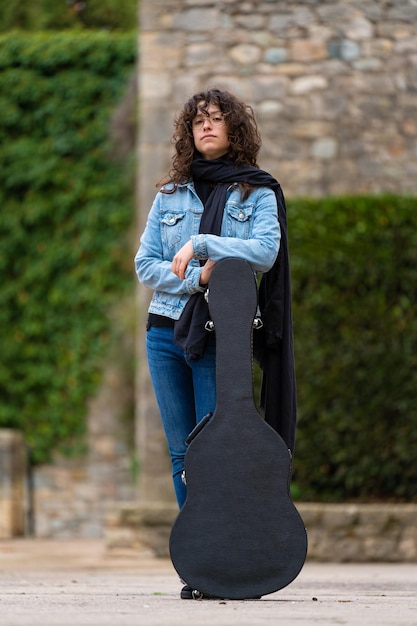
[[407, 545], [250, 22], [310, 129], [120, 538], [324, 148], [368, 65], [336, 517], [307, 50], [403, 11], [147, 524], [359, 28], [380, 548], [270, 87], [13, 489], [200, 54], [305, 84], [246, 54], [197, 19], [276, 55]]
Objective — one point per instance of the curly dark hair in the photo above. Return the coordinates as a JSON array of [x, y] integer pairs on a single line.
[[243, 134]]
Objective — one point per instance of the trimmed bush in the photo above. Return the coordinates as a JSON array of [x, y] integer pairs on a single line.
[[354, 268], [36, 15], [66, 208]]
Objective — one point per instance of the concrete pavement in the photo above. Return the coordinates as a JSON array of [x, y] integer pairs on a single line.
[[81, 583]]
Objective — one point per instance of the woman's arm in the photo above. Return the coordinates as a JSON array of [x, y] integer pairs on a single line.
[[261, 249], [153, 270]]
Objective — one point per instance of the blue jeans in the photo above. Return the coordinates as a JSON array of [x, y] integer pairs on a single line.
[[185, 392]]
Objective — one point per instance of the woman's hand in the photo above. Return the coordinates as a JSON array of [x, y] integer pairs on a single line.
[[206, 272], [181, 259]]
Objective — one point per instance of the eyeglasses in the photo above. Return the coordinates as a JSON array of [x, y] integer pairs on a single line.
[[216, 119]]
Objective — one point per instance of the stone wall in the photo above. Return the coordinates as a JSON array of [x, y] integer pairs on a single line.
[[361, 532], [334, 84], [73, 497], [336, 532]]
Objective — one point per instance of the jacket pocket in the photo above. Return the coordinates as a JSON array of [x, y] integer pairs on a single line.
[[239, 220], [171, 227]]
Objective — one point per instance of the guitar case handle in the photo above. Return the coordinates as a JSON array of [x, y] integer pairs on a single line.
[[193, 434]]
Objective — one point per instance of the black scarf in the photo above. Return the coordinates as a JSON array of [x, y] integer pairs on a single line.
[[273, 344]]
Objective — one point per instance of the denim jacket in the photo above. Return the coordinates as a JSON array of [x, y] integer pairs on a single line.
[[250, 230]]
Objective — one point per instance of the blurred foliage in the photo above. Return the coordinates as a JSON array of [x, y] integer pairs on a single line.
[[66, 207], [36, 15], [354, 269]]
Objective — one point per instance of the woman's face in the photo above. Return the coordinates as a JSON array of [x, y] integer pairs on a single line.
[[210, 131]]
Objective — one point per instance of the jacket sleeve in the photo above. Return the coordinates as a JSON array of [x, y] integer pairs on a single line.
[[152, 269], [260, 249]]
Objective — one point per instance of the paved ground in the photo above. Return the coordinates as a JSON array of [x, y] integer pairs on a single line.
[[51, 583]]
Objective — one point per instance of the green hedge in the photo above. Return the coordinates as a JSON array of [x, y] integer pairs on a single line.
[[36, 15], [65, 212], [354, 267]]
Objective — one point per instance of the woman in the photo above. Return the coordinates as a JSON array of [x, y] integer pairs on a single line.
[[215, 203]]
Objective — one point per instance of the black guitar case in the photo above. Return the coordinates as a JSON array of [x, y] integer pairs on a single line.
[[238, 534]]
